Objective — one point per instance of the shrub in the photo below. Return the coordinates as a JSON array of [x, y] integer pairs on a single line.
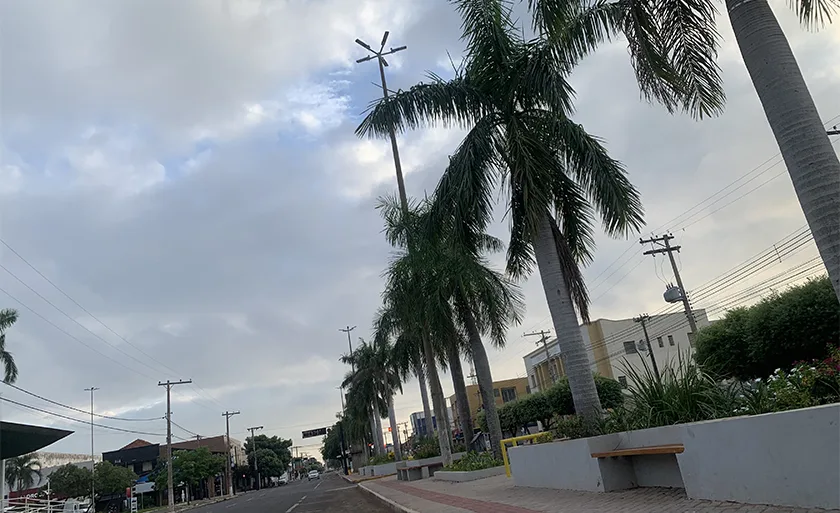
[[425, 447], [545, 406], [381, 459], [474, 461], [572, 427], [802, 323], [544, 438]]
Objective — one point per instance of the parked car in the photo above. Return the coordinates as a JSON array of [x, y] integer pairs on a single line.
[[313, 474], [284, 479]]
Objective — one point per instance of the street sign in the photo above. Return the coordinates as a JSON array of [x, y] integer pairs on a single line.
[[315, 432]]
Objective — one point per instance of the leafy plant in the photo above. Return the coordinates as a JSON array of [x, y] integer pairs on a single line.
[[571, 426], [382, 459], [474, 461], [544, 438], [426, 447], [71, 481]]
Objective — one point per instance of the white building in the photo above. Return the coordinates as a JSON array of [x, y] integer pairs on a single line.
[[616, 344], [418, 422]]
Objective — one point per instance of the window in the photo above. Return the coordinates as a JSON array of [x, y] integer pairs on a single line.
[[495, 392], [533, 381], [622, 380], [670, 340], [527, 389], [508, 394], [661, 344], [630, 347]]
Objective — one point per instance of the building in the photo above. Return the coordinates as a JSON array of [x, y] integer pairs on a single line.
[[140, 456], [504, 391], [616, 345], [215, 444], [418, 422]]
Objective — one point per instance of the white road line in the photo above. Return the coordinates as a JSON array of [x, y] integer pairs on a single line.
[[249, 499], [317, 485], [296, 504], [230, 506]]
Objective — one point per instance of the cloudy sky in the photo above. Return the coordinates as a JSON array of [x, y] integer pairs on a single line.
[[187, 173]]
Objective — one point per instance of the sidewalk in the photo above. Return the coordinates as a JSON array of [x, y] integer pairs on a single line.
[[498, 495]]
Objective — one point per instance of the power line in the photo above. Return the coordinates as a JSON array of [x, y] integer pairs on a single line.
[[33, 394], [59, 415], [182, 428]]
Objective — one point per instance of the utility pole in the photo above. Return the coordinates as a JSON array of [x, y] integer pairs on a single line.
[[92, 454], [665, 241], [347, 330], [229, 473], [380, 58], [254, 448], [341, 435], [543, 334], [642, 319], [170, 488]]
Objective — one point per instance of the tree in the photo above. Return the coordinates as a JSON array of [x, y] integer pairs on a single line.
[[188, 467], [70, 481], [799, 324], [279, 446], [331, 446], [459, 281], [514, 98], [673, 46], [110, 479], [8, 317], [21, 472]]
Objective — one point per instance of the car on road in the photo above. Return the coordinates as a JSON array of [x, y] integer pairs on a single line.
[[313, 474], [284, 479]]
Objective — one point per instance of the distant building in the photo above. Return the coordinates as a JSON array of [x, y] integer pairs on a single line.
[[504, 391], [616, 345], [419, 425], [140, 456]]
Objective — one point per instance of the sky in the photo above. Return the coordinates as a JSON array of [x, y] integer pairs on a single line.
[[182, 196]]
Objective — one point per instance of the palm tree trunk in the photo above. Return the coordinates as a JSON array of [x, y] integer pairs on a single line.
[[395, 433], [374, 439], [566, 327], [809, 156], [460, 387], [380, 438], [424, 395], [485, 385], [438, 403]]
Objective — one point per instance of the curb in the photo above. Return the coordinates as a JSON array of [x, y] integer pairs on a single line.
[[371, 478], [392, 505]]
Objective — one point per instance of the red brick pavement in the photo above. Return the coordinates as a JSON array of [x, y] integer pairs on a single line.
[[474, 505]]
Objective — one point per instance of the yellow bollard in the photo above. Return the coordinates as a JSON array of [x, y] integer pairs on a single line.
[[515, 441]]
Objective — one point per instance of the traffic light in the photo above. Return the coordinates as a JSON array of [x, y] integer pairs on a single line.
[[389, 429]]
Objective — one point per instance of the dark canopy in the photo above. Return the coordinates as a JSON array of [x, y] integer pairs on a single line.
[[19, 439]]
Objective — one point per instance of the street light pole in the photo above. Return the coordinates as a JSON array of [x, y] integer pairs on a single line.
[[380, 58], [254, 445], [92, 457], [347, 330]]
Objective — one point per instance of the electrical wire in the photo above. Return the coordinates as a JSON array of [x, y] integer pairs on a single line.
[[79, 410], [66, 417]]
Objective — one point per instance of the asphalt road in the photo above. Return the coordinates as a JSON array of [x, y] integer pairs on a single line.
[[326, 495]]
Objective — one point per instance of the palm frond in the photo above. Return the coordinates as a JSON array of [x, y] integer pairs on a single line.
[[574, 216], [571, 273], [8, 317], [10, 370], [520, 252], [540, 79], [489, 33], [448, 103], [815, 14], [575, 29]]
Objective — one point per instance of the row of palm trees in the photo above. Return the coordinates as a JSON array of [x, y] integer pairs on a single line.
[[513, 97]]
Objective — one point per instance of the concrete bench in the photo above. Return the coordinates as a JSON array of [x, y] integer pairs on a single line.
[[413, 470]]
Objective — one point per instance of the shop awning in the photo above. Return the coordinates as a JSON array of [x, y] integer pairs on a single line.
[[19, 439]]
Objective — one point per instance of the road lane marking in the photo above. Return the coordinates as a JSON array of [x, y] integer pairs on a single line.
[[317, 485], [249, 499], [296, 504]]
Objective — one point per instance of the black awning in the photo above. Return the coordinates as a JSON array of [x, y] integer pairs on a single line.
[[19, 439]]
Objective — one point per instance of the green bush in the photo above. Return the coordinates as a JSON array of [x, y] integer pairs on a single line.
[[545, 406], [425, 447], [571, 426], [474, 461], [802, 323], [381, 459]]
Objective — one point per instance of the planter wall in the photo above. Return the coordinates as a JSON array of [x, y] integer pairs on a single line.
[[461, 477], [788, 459]]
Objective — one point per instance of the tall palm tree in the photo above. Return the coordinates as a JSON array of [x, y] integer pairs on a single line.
[[514, 98], [673, 46], [8, 317], [467, 296], [21, 472], [376, 372]]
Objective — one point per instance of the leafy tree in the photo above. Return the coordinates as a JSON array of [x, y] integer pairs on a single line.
[[110, 479], [71, 481], [21, 471], [189, 467], [799, 324], [673, 46], [514, 98], [331, 446], [280, 447], [8, 317]]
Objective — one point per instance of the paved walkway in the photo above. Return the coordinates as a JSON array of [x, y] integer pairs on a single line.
[[498, 495]]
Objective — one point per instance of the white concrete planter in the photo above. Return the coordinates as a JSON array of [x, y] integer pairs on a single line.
[[788, 459], [426, 467], [386, 469], [461, 477]]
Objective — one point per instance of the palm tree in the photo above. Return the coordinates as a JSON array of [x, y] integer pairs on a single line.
[[21, 472], [673, 46], [460, 289], [376, 374], [513, 97], [8, 317]]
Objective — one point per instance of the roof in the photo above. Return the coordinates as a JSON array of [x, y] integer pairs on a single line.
[[19, 439], [214, 444], [137, 443]]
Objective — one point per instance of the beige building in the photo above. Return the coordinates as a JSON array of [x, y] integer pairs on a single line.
[[616, 345], [504, 391]]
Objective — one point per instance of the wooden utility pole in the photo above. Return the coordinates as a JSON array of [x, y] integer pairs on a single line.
[[254, 448], [229, 472], [170, 488], [665, 241], [642, 319], [543, 334]]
